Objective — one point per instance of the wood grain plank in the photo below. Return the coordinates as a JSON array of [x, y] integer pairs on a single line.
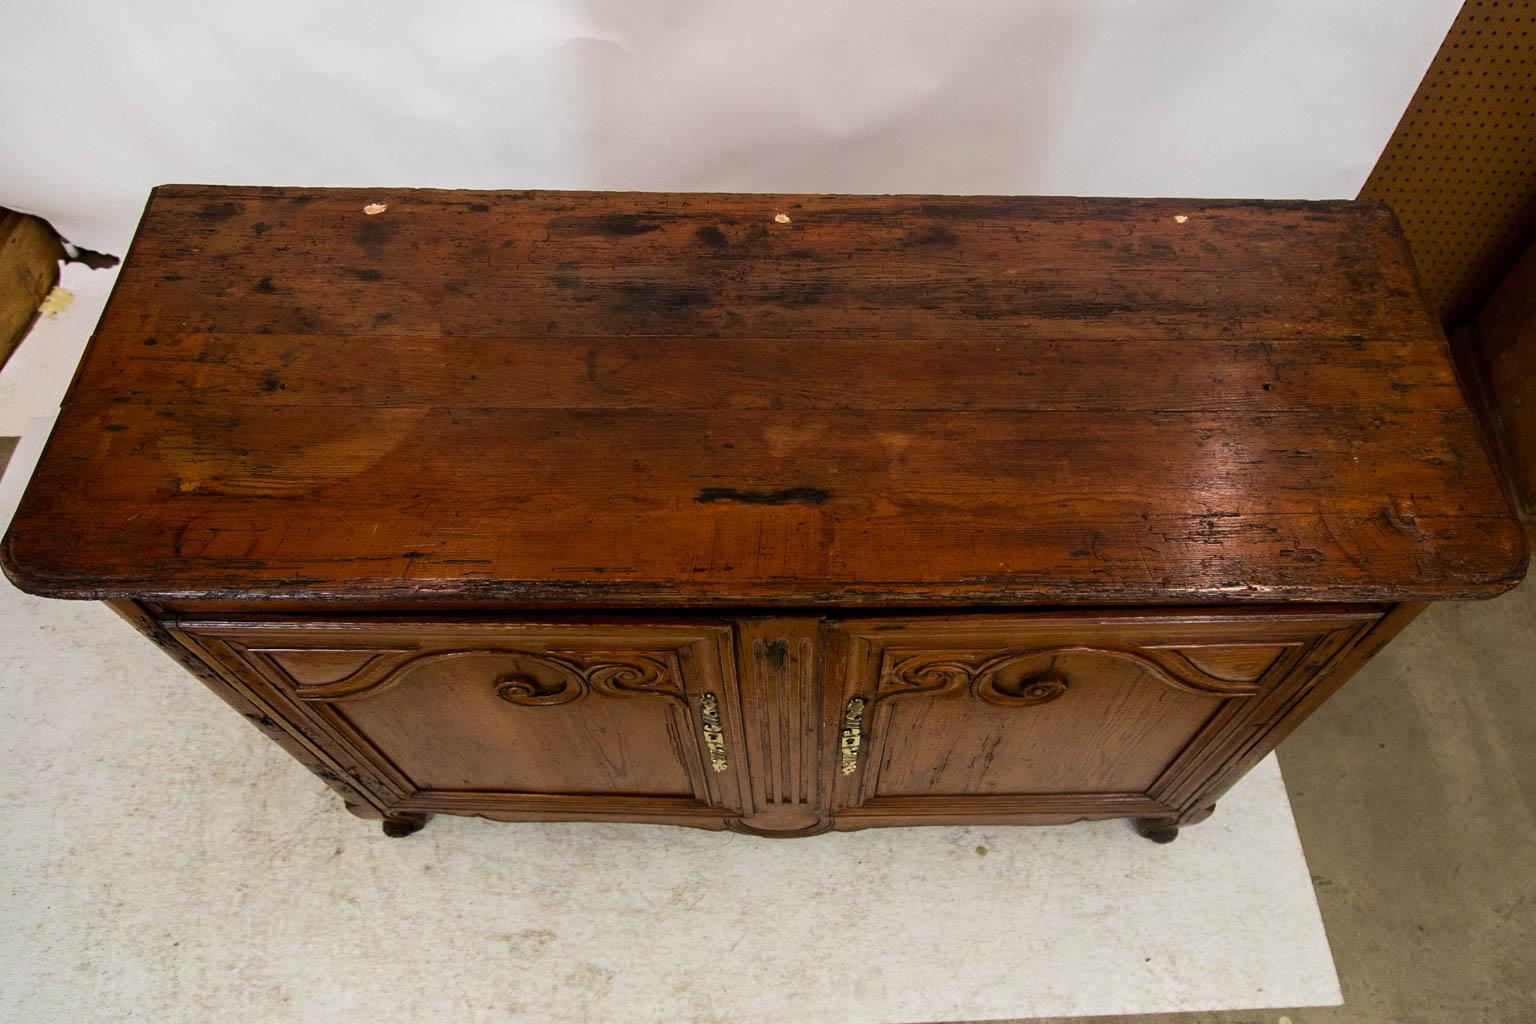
[[561, 264], [1047, 374], [771, 506]]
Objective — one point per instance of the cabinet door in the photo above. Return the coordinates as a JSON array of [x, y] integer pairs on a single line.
[[527, 721], [1059, 717]]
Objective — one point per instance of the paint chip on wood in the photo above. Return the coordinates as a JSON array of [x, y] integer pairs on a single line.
[[782, 218], [55, 302], [1180, 218], [373, 208]]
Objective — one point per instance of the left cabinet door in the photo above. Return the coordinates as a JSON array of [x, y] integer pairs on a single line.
[[518, 721]]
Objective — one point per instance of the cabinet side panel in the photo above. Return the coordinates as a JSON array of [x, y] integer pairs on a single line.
[[285, 734], [1306, 698]]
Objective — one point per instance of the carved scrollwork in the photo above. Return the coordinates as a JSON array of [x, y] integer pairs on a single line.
[[575, 679], [988, 680], [533, 679], [997, 681], [641, 676], [913, 676], [561, 682], [1039, 689]]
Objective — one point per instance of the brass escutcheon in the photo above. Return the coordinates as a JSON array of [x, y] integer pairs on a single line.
[[852, 736], [714, 736]]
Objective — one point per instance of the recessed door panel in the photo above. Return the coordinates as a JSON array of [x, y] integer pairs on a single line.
[[1060, 712], [1071, 721], [568, 713]]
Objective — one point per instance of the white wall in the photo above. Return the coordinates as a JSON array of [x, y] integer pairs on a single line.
[[1268, 98]]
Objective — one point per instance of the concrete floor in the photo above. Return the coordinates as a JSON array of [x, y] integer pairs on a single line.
[[1414, 791]]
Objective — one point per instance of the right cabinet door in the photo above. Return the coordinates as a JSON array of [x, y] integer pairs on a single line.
[[1063, 716]]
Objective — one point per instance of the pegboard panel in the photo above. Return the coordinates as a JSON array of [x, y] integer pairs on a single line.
[[1461, 168]]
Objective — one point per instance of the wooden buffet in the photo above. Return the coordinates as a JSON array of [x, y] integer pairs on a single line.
[[769, 513]]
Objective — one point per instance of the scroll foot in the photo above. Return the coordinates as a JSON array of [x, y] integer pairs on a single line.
[[1159, 830]]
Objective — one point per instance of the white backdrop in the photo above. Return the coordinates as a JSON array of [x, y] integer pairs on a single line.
[[1088, 97]]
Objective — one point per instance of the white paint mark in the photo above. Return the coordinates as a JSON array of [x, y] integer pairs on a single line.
[[1180, 218], [373, 208], [782, 218], [1283, 1020], [56, 302]]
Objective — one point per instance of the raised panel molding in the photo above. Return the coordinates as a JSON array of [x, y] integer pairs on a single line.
[[1236, 663], [317, 667]]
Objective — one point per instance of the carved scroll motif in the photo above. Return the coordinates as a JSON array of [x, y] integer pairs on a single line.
[[913, 676], [535, 679], [644, 675], [991, 679]]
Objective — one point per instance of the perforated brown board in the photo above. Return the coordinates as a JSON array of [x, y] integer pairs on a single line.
[[1461, 168]]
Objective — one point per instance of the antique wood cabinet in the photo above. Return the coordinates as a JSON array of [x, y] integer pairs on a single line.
[[769, 513]]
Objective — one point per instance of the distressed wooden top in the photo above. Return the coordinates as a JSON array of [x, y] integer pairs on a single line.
[[634, 399]]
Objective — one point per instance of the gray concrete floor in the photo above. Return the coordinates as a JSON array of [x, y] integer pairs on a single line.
[[1414, 790]]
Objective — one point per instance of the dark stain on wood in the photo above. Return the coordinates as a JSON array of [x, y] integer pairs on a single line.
[[711, 235], [604, 225], [214, 213], [799, 294], [783, 496], [777, 653], [933, 234], [261, 720], [374, 234], [659, 298]]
